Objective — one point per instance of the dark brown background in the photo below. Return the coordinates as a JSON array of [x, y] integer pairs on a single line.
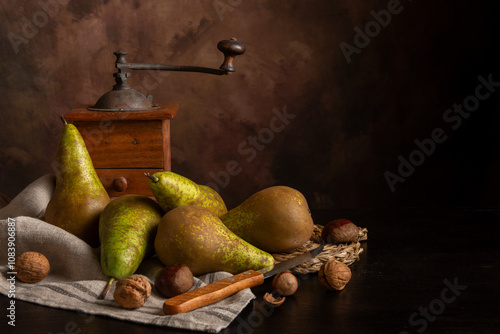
[[352, 120]]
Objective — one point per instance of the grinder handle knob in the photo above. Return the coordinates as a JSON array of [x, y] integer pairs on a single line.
[[231, 48]]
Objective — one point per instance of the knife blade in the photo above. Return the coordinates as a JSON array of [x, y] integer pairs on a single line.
[[226, 287]]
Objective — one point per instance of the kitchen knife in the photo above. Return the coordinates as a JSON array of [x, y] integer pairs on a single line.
[[219, 290]]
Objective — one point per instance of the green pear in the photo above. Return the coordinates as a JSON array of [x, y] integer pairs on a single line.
[[79, 196], [172, 190], [127, 229], [195, 236], [275, 219]]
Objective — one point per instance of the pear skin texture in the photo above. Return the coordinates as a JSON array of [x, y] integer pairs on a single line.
[[196, 237], [173, 190], [79, 196], [127, 230], [276, 219]]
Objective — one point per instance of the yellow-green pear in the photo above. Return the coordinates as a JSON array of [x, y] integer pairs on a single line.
[[172, 190], [195, 236], [127, 229], [79, 196]]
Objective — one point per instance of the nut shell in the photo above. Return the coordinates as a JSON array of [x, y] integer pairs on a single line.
[[31, 267], [285, 283], [340, 230], [174, 280], [132, 292], [334, 275], [273, 301]]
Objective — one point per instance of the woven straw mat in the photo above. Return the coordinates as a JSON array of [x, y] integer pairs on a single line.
[[347, 253]]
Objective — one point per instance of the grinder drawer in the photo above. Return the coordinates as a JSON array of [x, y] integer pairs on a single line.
[[120, 181]]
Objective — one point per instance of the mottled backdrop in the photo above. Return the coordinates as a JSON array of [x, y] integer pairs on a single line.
[[355, 103]]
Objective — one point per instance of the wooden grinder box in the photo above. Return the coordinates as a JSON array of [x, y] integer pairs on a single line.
[[124, 145]]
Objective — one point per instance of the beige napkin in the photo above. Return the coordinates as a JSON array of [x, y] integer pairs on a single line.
[[76, 278]]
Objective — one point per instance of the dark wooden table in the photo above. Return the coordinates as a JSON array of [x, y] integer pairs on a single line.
[[422, 270]]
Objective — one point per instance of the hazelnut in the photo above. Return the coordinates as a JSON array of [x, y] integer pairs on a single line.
[[334, 275], [274, 301], [340, 230], [285, 283], [174, 280], [132, 292], [31, 267]]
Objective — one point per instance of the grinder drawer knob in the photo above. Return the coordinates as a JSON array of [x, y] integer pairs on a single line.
[[120, 184]]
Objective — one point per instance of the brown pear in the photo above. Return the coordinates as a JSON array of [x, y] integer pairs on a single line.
[[275, 219]]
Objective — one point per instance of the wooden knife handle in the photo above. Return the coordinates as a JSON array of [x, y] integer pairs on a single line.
[[212, 293]]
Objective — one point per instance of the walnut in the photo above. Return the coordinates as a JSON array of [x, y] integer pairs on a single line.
[[334, 275], [340, 230], [132, 292], [285, 283], [31, 267]]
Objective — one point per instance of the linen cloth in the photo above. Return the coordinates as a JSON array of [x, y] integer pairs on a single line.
[[76, 279]]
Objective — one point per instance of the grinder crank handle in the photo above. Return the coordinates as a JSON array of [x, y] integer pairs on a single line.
[[229, 47], [212, 293]]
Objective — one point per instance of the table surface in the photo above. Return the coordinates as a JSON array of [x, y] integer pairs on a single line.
[[422, 270]]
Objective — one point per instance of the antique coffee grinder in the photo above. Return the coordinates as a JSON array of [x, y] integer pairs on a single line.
[[128, 135]]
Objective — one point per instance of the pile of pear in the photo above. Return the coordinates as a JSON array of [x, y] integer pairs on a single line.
[[185, 222]]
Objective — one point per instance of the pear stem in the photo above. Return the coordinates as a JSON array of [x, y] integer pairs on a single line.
[[106, 288], [63, 120], [152, 177]]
